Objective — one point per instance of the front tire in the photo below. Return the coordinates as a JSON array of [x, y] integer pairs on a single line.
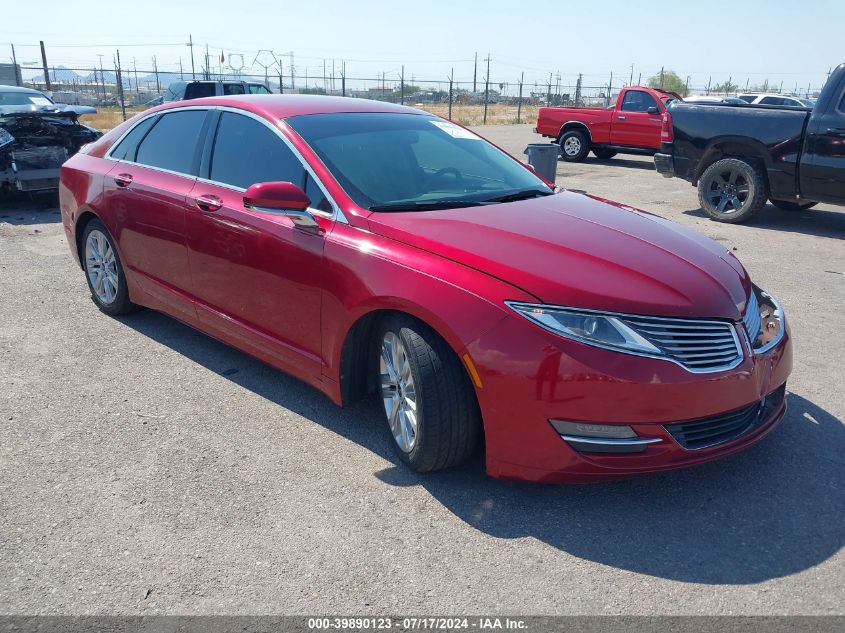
[[104, 271], [790, 205], [429, 404], [732, 190], [574, 146]]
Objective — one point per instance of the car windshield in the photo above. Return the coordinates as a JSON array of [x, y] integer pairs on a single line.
[[23, 98], [411, 162]]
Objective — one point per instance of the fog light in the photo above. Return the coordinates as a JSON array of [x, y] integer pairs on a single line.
[[601, 438]]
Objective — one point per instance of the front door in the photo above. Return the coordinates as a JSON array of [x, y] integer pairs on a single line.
[[257, 278], [633, 125]]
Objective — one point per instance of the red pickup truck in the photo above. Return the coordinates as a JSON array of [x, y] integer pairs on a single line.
[[632, 126]]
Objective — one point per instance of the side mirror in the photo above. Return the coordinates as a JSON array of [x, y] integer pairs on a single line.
[[653, 110], [281, 198]]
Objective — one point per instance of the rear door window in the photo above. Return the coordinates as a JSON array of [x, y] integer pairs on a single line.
[[774, 101], [128, 147], [172, 143], [247, 151], [198, 90], [233, 89]]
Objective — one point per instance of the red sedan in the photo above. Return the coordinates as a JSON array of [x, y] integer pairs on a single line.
[[365, 247]]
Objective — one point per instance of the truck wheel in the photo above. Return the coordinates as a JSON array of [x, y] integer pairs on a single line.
[[732, 190], [574, 146], [789, 205], [604, 154]]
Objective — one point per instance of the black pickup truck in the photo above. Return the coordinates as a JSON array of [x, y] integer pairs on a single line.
[[741, 155]]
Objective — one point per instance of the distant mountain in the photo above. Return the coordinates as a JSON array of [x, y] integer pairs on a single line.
[[59, 74]]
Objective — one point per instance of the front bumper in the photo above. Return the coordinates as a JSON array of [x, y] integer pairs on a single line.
[[545, 377]]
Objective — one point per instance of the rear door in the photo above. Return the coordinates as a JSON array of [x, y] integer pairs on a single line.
[[633, 125], [146, 192], [822, 169]]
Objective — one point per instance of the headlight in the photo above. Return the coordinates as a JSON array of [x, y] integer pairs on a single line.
[[764, 321], [592, 328]]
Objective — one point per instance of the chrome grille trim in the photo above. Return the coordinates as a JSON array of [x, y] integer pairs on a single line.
[[751, 320], [699, 346]]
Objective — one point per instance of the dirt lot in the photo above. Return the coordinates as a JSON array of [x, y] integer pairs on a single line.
[[145, 468]]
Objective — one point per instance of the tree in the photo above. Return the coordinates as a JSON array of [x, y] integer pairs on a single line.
[[668, 80], [726, 87]]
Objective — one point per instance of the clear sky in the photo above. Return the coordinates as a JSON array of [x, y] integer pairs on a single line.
[[779, 40]]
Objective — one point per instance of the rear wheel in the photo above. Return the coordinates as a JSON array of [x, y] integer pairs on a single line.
[[732, 190], [574, 146], [429, 404], [604, 153], [790, 205], [104, 272]]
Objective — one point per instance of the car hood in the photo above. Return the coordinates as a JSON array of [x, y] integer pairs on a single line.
[[576, 250]]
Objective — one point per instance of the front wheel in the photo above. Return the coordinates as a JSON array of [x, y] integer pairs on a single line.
[[574, 146], [790, 205], [429, 404], [732, 190]]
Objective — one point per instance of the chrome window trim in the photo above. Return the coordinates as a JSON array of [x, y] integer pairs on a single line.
[[336, 215], [709, 370]]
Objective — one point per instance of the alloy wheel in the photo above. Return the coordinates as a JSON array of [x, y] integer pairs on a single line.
[[398, 392], [727, 191], [101, 267]]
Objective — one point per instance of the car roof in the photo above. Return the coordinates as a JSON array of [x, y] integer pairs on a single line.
[[283, 106], [19, 89]]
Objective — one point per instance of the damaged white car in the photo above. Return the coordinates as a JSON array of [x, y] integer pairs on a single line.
[[36, 137]]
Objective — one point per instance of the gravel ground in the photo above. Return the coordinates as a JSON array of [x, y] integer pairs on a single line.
[[147, 469]]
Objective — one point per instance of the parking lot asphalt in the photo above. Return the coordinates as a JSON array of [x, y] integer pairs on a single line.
[[146, 468]]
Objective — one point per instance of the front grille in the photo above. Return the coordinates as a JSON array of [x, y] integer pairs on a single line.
[[707, 432], [752, 320], [699, 346]]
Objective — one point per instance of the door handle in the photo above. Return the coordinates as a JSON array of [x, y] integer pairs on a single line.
[[621, 117], [123, 180], [836, 131], [209, 203]]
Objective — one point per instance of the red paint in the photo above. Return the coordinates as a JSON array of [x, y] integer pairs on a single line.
[[611, 126], [290, 296]]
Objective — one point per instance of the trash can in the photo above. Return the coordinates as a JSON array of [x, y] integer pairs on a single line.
[[543, 158]]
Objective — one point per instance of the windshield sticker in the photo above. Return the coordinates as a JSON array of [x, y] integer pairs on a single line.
[[455, 131]]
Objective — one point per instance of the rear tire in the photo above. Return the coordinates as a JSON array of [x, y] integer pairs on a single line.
[[430, 407], [789, 205], [104, 271], [574, 146], [603, 153], [732, 190]]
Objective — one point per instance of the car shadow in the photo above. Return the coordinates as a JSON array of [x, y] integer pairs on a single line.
[[616, 161], [25, 209], [771, 511], [818, 222]]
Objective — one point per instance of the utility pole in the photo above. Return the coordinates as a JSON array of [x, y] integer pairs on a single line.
[[519, 100], [686, 86], [709, 79], [47, 70], [451, 82], [102, 76], [325, 85], [292, 84], [207, 64], [343, 78], [120, 86], [549, 92], [474, 71], [135, 70], [402, 87], [578, 90], [181, 74], [155, 70], [631, 80], [661, 77], [609, 88], [640, 79], [15, 68], [486, 89], [191, 46]]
